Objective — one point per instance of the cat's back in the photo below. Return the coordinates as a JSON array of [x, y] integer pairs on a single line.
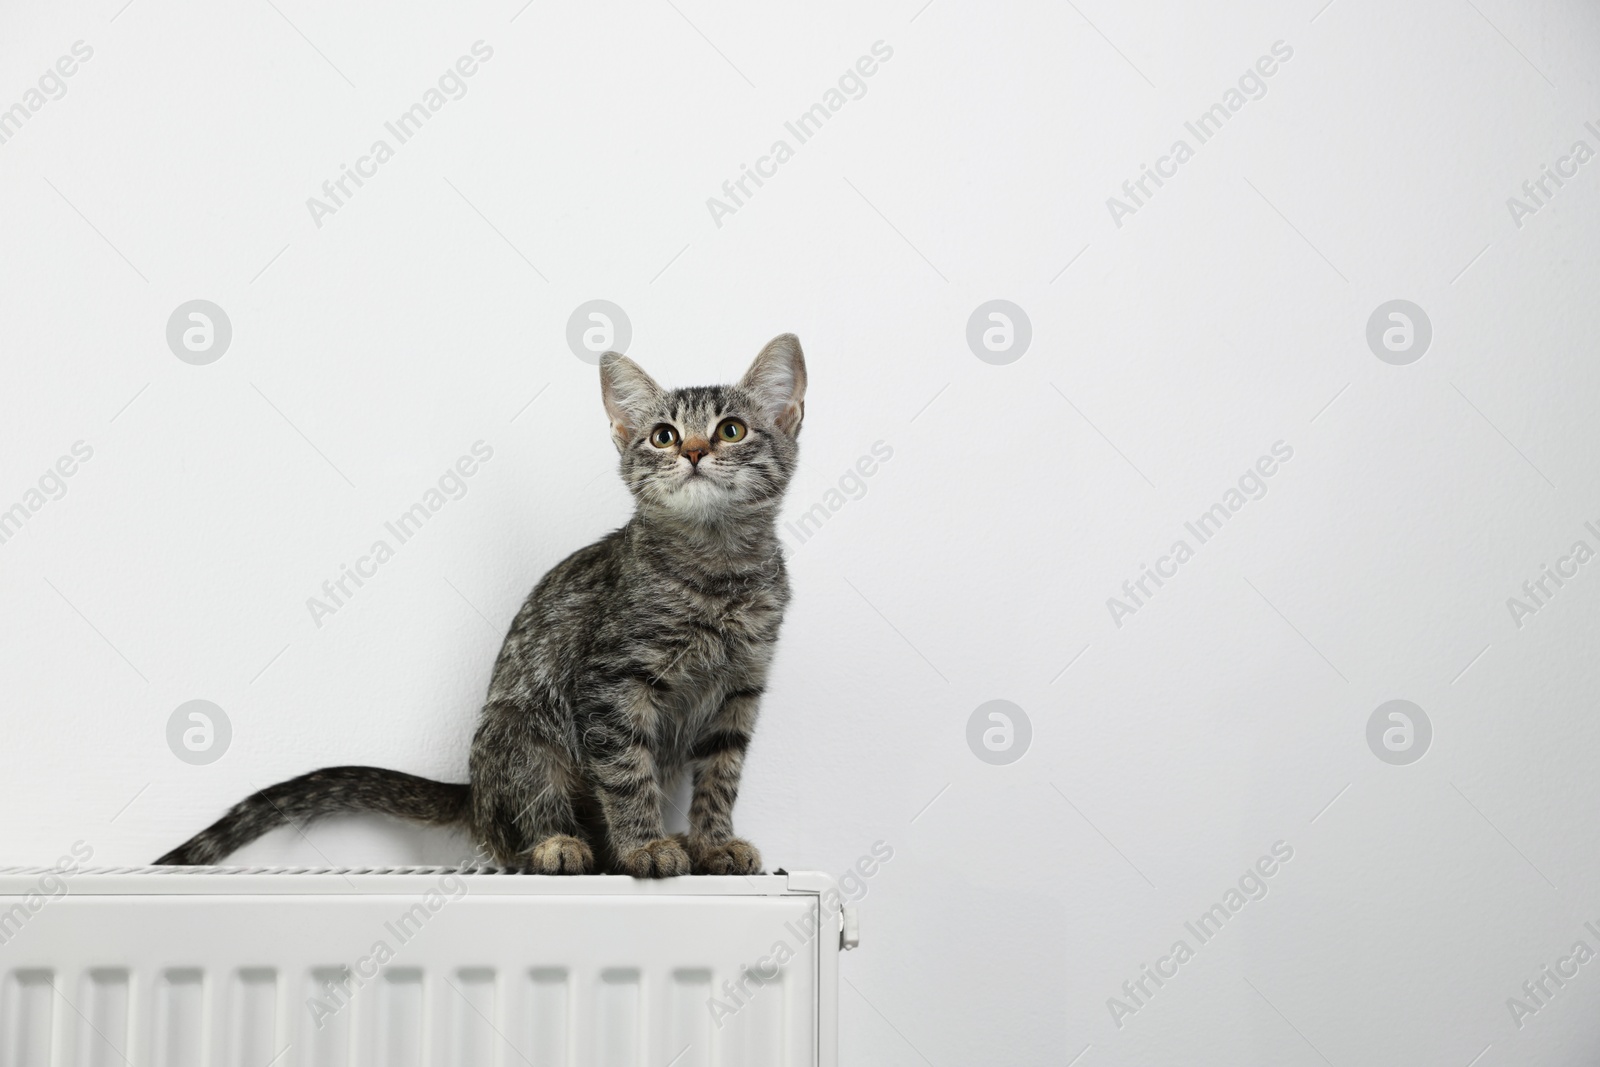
[[554, 629]]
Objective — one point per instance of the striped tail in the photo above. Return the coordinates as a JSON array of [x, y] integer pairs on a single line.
[[330, 791]]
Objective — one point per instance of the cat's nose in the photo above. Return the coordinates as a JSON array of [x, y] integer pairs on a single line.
[[695, 449]]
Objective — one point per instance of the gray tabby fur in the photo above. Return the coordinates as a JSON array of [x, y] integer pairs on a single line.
[[634, 660]]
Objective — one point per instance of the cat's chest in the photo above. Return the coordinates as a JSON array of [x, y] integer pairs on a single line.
[[732, 624], [716, 635]]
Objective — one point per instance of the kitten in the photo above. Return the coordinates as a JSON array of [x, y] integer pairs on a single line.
[[636, 658]]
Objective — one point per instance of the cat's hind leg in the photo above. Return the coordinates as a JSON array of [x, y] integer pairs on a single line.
[[524, 795]]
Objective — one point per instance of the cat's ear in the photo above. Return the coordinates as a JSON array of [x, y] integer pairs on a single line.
[[777, 379], [629, 393]]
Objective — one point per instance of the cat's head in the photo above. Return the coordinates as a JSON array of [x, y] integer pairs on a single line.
[[709, 452]]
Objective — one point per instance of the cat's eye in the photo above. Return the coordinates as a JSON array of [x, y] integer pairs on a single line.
[[731, 430], [663, 436]]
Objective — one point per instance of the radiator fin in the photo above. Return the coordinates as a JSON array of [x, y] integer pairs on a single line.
[[475, 1030], [103, 1029], [689, 1020], [399, 1019], [755, 1032], [547, 1040], [255, 1017], [180, 1018], [326, 1017], [616, 1024], [28, 1015]]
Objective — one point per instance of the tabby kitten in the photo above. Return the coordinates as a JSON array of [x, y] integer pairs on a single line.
[[633, 660]]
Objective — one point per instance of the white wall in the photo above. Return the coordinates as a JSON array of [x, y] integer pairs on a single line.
[[1228, 313]]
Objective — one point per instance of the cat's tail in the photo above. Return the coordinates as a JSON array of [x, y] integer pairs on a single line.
[[330, 791]]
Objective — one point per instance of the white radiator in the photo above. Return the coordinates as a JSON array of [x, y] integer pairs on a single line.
[[416, 967]]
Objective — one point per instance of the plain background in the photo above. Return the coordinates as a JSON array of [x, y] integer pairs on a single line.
[[1168, 353]]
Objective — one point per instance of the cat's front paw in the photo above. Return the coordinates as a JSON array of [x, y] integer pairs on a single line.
[[733, 856], [661, 858], [561, 854]]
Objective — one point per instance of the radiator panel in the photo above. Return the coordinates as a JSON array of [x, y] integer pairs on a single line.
[[366, 970]]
